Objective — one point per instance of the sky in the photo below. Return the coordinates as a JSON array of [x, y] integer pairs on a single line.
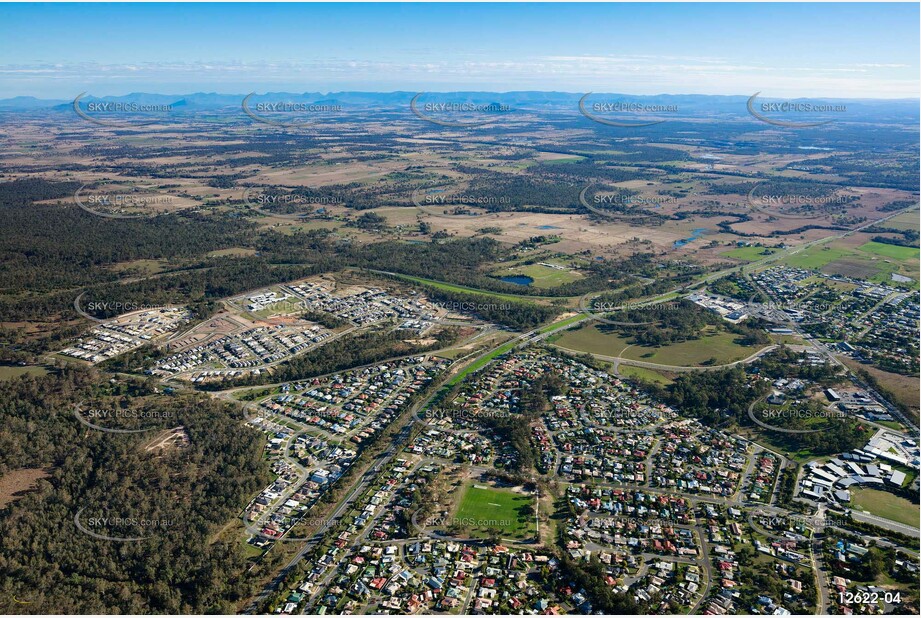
[[818, 49]]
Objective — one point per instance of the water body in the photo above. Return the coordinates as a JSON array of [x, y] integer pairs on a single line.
[[695, 234], [547, 227], [518, 279]]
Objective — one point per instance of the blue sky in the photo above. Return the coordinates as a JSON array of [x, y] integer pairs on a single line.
[[848, 50]]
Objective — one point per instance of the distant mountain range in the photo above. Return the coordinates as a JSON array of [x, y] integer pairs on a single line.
[[693, 105]]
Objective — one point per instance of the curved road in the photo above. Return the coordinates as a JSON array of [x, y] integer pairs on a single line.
[[619, 360]]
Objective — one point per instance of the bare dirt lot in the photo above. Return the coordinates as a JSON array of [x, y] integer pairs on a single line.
[[16, 483]]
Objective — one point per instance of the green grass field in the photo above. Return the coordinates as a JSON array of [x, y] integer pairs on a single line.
[[720, 347], [589, 339], [8, 372], [891, 251], [544, 277], [716, 345], [485, 360], [482, 362], [641, 373], [232, 252], [817, 257], [905, 221], [871, 261], [483, 508], [451, 287], [147, 267], [750, 254], [885, 504], [562, 323], [563, 160]]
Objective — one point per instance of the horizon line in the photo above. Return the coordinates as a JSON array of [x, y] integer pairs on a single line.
[[88, 94]]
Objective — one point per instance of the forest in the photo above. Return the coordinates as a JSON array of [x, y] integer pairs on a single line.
[[176, 499]]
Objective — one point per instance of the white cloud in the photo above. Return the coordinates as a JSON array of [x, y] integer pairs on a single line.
[[638, 74]]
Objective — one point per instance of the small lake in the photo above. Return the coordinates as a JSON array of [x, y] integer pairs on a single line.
[[547, 227], [518, 279], [695, 234]]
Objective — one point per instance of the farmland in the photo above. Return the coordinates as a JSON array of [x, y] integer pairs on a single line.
[[858, 257]]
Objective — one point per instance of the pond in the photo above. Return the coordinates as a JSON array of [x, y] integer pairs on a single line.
[[695, 234], [518, 279]]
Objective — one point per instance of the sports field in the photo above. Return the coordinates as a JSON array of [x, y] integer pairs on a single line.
[[483, 508], [885, 504]]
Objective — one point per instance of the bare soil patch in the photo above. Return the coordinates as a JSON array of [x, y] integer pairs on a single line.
[[17, 483]]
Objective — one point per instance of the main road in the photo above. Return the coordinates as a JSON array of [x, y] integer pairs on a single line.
[[522, 340]]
